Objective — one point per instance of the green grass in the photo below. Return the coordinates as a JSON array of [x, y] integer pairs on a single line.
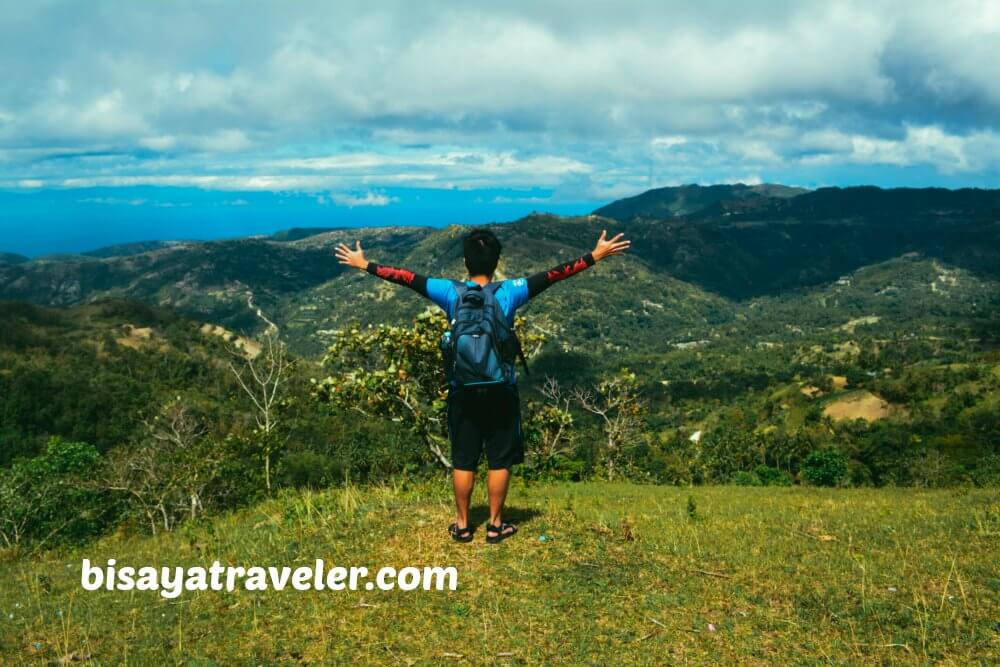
[[625, 575]]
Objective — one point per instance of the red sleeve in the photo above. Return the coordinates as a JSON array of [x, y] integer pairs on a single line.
[[543, 279], [414, 281]]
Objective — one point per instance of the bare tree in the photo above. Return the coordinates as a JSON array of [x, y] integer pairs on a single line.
[[262, 377], [616, 401], [16, 514], [556, 420], [165, 474]]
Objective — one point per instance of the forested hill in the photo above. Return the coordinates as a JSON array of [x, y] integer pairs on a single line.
[[11, 258], [750, 245], [696, 251], [683, 200]]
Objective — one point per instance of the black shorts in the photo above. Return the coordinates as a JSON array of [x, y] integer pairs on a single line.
[[490, 416]]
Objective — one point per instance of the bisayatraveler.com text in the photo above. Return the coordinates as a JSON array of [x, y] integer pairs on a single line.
[[171, 582]]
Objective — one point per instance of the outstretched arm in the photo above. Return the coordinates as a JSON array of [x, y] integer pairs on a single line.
[[356, 258], [540, 281]]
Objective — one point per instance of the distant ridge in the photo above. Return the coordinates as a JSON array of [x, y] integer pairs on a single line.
[[681, 200], [744, 242], [298, 233], [126, 249], [12, 258]]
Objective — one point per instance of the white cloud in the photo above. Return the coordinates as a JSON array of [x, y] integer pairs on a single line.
[[468, 162], [668, 141], [225, 141], [368, 199], [324, 96], [162, 142], [502, 199], [928, 145], [113, 201]]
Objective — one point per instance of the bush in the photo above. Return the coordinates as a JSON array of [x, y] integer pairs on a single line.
[[769, 476], [310, 470], [987, 471], [558, 468], [46, 500], [744, 478], [825, 467]]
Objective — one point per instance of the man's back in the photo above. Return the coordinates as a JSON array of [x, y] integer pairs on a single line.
[[510, 294]]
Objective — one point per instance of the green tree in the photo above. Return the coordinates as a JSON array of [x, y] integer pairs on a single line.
[[44, 499], [396, 373], [825, 467]]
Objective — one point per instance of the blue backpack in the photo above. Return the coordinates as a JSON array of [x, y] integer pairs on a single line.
[[480, 348]]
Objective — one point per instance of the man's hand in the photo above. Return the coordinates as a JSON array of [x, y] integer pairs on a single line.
[[606, 247], [355, 258]]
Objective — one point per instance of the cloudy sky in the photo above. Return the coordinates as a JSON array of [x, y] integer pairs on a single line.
[[130, 120]]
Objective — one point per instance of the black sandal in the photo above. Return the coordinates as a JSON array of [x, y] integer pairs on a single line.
[[460, 534], [499, 530]]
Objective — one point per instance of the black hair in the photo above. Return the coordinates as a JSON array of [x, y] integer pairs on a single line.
[[482, 252]]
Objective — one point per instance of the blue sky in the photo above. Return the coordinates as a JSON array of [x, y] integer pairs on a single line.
[[197, 120]]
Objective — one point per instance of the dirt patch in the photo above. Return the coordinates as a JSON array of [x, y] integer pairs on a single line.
[[863, 405], [811, 391], [849, 327], [135, 336], [838, 381], [251, 348]]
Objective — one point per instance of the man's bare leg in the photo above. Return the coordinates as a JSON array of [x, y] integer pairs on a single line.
[[497, 482], [463, 481]]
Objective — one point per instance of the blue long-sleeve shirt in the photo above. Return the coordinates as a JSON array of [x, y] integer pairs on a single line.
[[511, 295]]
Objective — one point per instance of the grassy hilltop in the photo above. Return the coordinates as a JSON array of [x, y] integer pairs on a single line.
[[625, 575]]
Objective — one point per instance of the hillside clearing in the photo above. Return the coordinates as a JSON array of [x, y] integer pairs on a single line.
[[250, 347], [858, 405], [135, 336], [623, 575]]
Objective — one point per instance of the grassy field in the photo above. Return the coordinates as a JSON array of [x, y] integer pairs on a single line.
[[624, 575]]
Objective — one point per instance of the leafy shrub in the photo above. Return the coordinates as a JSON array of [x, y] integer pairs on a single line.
[[559, 467], [825, 467], [859, 474], [987, 471], [745, 478], [310, 469], [45, 499], [769, 476]]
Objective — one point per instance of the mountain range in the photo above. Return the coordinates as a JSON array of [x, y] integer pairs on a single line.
[[699, 256]]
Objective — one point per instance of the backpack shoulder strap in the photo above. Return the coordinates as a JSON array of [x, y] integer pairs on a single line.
[[492, 288]]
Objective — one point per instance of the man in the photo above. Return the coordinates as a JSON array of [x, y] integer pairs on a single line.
[[489, 414]]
